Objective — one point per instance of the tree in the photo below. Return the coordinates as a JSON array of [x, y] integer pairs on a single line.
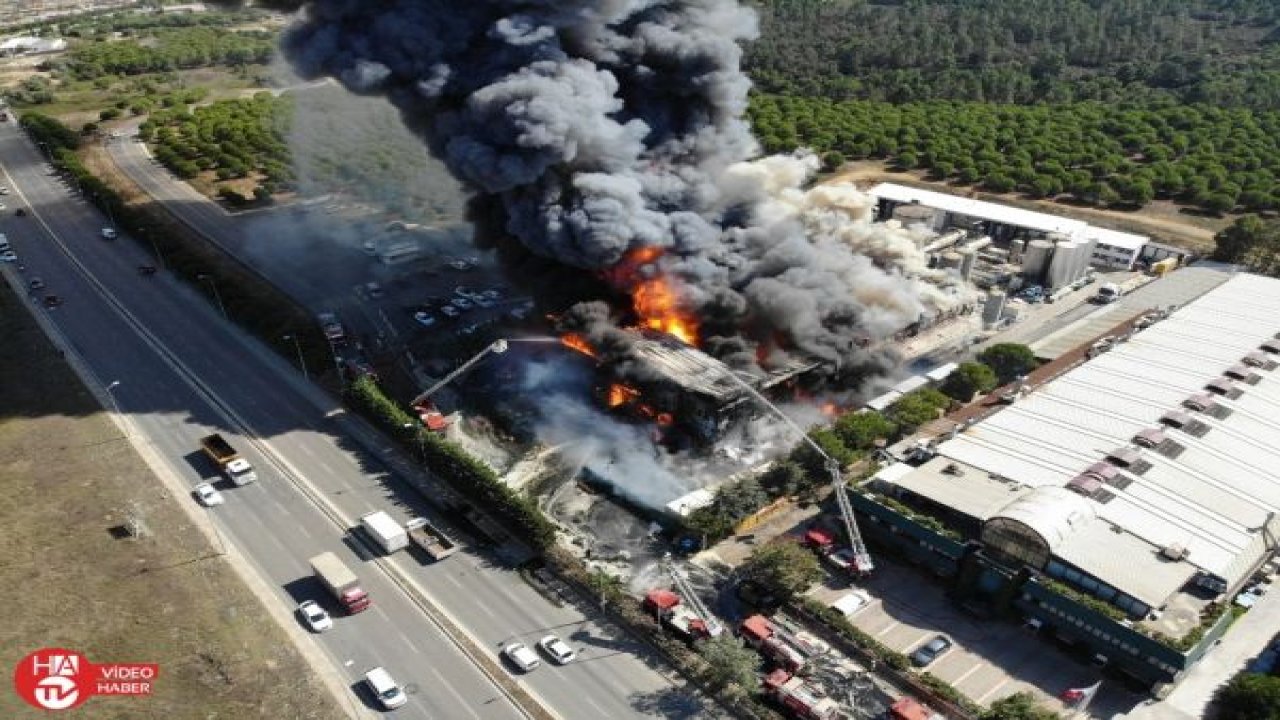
[[917, 408], [1018, 706], [1249, 696], [968, 380], [1008, 361], [783, 567], [729, 662], [860, 430], [1234, 243]]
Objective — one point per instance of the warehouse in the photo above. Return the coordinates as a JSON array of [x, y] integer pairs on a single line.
[[1108, 249], [1147, 478]]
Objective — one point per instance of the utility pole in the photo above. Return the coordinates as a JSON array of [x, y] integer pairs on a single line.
[[302, 362]]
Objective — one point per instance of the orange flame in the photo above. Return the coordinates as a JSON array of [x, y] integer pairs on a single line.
[[830, 409], [579, 343], [619, 394], [658, 305]]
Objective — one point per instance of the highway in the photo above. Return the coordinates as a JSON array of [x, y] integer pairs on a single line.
[[182, 371]]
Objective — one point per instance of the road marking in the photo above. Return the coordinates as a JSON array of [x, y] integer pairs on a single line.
[[883, 632], [378, 609], [463, 703], [592, 703], [992, 691], [976, 667], [485, 608], [409, 642]]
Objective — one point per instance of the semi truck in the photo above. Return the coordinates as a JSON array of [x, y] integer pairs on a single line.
[[341, 582], [430, 539], [237, 469], [385, 531]]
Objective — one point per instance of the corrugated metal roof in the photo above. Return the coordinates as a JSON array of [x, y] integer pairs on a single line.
[[1212, 493], [978, 208]]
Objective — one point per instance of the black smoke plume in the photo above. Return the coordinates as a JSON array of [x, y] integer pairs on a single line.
[[601, 127]]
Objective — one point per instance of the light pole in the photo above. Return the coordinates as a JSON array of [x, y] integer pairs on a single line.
[[203, 277], [115, 403], [301, 360]]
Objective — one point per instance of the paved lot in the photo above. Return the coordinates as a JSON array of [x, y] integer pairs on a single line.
[[991, 659]]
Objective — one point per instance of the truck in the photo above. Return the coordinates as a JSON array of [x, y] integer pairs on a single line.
[[430, 539], [764, 636], [237, 469], [341, 582], [676, 616], [802, 700], [1108, 293], [385, 531]]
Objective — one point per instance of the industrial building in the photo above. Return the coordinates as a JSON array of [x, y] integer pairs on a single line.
[[1054, 246], [1118, 504]]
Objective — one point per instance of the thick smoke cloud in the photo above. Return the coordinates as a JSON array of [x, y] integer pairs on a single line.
[[606, 126]]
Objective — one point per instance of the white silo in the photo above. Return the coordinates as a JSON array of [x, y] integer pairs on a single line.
[[1060, 266], [1035, 261], [911, 214], [992, 308]]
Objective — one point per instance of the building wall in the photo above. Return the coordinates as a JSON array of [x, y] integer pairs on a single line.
[[1111, 256]]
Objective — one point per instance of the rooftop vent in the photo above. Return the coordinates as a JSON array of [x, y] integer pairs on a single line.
[[1239, 371], [1104, 471], [1175, 552], [1123, 457], [1175, 418], [1256, 359], [1220, 386], [1200, 402], [1271, 346], [1149, 438], [1085, 483]]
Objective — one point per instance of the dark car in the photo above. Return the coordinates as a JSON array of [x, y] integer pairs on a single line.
[[37, 283], [930, 651], [20, 212], [52, 301]]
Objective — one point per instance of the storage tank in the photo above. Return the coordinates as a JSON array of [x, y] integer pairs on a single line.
[[968, 256], [992, 308], [912, 214], [1062, 264], [1035, 261]]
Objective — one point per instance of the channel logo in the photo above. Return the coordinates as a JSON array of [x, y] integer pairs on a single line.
[[61, 679]]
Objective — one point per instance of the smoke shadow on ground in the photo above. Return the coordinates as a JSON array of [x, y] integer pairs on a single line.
[[672, 703]]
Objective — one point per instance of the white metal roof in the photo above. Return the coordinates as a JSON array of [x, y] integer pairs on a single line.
[[941, 372], [915, 382], [1213, 494], [981, 209], [882, 402], [1115, 238]]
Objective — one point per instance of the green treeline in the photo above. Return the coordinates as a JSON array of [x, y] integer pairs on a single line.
[[170, 49], [1216, 158], [1220, 52], [232, 138]]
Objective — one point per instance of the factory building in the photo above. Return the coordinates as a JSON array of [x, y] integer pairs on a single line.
[[1119, 504], [1035, 238]]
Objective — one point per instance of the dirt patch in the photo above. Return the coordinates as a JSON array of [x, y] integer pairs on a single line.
[[72, 483], [1164, 221]]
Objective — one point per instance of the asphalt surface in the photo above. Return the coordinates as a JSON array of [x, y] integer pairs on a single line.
[[183, 371]]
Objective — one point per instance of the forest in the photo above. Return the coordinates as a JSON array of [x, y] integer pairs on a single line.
[[231, 138], [1106, 103], [170, 49]]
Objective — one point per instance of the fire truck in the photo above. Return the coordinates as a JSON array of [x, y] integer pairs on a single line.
[[802, 700]]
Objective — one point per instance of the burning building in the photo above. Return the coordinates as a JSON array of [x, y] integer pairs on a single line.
[[660, 378]]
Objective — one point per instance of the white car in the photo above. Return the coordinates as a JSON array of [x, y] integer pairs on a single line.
[[450, 311], [558, 649], [315, 616], [425, 319], [463, 303], [109, 233], [8, 256], [523, 658], [208, 495], [850, 603], [384, 687]]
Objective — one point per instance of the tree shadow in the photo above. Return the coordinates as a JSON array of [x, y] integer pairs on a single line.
[[668, 702]]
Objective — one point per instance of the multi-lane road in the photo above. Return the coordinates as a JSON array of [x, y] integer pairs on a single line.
[[183, 372]]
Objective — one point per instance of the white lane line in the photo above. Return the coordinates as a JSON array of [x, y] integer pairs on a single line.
[[453, 579], [592, 703], [982, 700], [409, 642], [463, 703], [887, 629], [485, 608], [381, 613], [976, 667]]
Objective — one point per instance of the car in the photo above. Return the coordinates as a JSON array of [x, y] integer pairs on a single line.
[[8, 256], [52, 301], [425, 319], [208, 495], [461, 265], [930, 651], [20, 212], [1251, 595], [369, 247], [463, 291], [36, 284], [851, 602], [462, 303], [485, 302], [842, 559], [450, 311], [521, 656], [492, 294], [558, 649], [4, 191], [470, 329], [384, 687], [373, 290], [109, 233], [315, 616]]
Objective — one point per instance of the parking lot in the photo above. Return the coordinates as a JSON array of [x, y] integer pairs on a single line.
[[990, 659]]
